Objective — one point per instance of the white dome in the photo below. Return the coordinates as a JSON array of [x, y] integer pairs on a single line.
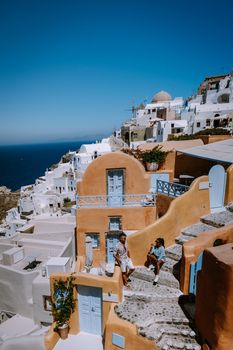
[[161, 96]]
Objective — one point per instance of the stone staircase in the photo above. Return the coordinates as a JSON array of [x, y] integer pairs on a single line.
[[155, 310]]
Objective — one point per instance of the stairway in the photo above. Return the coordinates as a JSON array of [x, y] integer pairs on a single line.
[[155, 310]]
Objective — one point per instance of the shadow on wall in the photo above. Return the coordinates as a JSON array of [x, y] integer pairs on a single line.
[[229, 185], [183, 211]]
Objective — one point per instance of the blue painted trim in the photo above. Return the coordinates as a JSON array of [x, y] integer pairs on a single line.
[[118, 340]]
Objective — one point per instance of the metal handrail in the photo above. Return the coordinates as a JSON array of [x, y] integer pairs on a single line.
[[111, 201], [171, 189]]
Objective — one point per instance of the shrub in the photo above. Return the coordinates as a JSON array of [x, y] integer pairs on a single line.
[[63, 301], [156, 155], [214, 131]]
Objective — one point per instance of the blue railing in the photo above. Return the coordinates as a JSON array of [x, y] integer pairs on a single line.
[[116, 201], [171, 189]]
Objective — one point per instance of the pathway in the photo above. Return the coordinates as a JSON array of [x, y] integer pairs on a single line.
[[155, 310]]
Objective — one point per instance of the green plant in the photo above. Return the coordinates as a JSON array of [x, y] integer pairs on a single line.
[[182, 137], [214, 131], [63, 301], [67, 200], [156, 155]]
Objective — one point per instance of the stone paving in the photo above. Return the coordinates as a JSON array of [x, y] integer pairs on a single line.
[[155, 310], [218, 219]]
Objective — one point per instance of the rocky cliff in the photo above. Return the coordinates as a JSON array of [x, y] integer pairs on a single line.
[[8, 200]]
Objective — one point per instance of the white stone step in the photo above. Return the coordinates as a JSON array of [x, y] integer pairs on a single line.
[[218, 219], [174, 252], [196, 229]]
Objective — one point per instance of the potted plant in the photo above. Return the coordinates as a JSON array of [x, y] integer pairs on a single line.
[[153, 158], [63, 305]]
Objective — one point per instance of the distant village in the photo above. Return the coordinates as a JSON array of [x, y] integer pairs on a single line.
[[166, 172]]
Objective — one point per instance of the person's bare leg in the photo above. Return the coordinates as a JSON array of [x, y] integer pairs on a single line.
[[125, 278], [130, 271], [159, 264], [148, 260]]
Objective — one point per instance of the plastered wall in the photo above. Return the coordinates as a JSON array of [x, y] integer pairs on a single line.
[[183, 211], [214, 302], [111, 285], [192, 249], [133, 341]]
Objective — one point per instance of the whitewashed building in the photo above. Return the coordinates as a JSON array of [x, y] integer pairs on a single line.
[[211, 109]]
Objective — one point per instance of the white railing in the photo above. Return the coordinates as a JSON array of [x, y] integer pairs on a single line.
[[116, 201]]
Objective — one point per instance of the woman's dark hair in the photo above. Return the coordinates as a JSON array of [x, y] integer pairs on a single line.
[[161, 241]]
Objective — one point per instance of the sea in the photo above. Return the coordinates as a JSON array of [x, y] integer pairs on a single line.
[[21, 165]]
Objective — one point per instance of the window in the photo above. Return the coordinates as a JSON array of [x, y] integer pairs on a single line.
[[207, 122], [95, 237], [115, 223], [47, 301], [153, 110], [198, 124]]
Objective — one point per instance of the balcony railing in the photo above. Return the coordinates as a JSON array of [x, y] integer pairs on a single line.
[[116, 201], [171, 189]]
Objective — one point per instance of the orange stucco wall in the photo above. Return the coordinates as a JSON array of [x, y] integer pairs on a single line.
[[192, 249], [162, 204], [214, 138], [183, 211], [112, 285], [94, 180], [97, 220], [229, 185], [133, 341], [169, 164], [214, 302]]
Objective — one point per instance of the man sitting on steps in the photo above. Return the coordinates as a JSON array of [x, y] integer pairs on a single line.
[[122, 256]]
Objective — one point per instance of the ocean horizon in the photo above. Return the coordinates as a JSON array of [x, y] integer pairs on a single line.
[[21, 165]]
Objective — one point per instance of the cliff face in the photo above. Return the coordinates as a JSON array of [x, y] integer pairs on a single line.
[[8, 200]]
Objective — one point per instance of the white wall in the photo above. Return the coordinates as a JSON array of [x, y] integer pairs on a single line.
[[16, 291]]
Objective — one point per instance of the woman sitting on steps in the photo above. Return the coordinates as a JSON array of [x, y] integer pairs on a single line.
[[156, 258]]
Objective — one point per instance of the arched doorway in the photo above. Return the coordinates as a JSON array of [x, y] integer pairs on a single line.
[[216, 121], [127, 138], [217, 180]]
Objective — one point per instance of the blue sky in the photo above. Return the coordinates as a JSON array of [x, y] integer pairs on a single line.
[[69, 69]]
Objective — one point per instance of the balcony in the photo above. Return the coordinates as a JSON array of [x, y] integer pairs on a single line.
[[117, 201], [171, 189]]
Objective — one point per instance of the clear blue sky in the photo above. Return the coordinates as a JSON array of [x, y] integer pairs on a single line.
[[70, 68]]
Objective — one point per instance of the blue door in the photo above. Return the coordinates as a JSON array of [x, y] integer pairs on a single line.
[[217, 180], [111, 242], [90, 309], [194, 268], [115, 188]]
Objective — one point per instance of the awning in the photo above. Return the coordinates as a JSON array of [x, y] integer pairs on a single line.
[[221, 151]]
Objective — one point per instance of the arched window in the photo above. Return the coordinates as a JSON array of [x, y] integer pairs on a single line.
[[224, 98]]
